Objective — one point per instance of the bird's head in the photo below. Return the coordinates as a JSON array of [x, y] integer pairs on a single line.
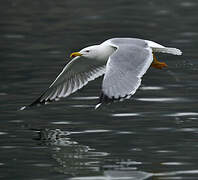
[[88, 52]]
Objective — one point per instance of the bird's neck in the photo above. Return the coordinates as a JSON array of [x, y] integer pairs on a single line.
[[105, 52]]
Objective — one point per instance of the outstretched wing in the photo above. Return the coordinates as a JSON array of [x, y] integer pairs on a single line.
[[124, 70], [76, 74]]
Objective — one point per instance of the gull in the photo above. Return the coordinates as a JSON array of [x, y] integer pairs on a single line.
[[122, 61]]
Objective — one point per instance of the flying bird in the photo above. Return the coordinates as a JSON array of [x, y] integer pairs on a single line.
[[122, 61]]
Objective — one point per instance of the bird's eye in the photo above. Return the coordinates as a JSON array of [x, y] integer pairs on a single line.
[[87, 51]]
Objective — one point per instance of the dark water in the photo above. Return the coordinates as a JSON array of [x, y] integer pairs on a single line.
[[152, 136]]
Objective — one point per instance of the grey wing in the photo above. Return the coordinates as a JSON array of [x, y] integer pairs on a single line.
[[124, 70], [74, 76]]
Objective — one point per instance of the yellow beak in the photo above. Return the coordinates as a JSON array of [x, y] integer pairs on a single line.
[[74, 54]]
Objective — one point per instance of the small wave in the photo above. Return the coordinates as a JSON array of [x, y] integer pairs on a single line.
[[183, 114], [177, 99], [125, 114]]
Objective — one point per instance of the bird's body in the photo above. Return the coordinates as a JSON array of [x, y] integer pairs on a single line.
[[123, 61]]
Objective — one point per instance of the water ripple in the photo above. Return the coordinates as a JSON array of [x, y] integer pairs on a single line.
[[165, 151], [9, 147], [42, 165], [161, 129], [180, 114], [189, 34], [82, 106], [91, 131], [129, 163], [121, 175], [3, 133], [174, 163], [188, 130], [96, 131], [61, 122], [16, 121], [125, 132], [98, 154], [85, 98], [188, 4], [125, 114], [177, 99], [14, 36], [152, 88], [177, 173]]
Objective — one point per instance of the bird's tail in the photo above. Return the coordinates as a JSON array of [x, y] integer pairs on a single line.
[[168, 50]]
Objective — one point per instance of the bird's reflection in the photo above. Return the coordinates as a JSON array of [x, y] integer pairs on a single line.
[[73, 158], [82, 162]]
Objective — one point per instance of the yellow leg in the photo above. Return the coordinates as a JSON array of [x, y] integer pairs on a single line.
[[157, 64]]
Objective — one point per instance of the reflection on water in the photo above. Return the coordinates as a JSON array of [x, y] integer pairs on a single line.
[[78, 160], [121, 175], [75, 159]]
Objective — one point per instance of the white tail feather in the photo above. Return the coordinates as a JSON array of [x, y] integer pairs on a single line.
[[168, 50], [159, 48]]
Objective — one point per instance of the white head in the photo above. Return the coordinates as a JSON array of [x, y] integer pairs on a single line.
[[98, 52], [91, 52]]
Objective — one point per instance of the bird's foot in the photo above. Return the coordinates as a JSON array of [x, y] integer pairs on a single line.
[[157, 64]]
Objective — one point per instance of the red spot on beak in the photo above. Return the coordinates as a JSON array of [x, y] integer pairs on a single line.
[[75, 54]]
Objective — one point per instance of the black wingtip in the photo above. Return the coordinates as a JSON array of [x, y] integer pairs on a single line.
[[37, 102], [104, 99], [23, 108], [98, 105]]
